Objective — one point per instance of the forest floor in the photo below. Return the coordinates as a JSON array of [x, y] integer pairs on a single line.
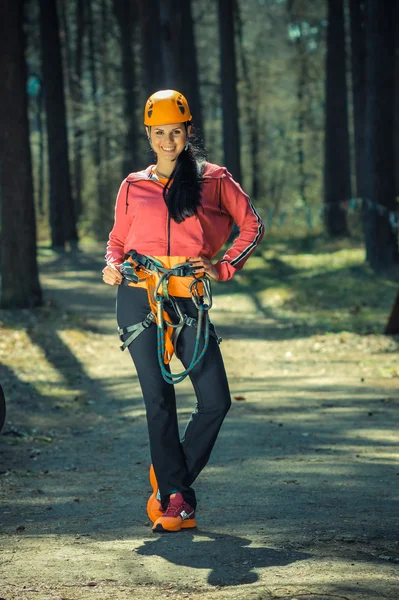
[[299, 500]]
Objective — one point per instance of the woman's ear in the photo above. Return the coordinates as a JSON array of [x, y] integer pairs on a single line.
[[188, 132], [148, 132]]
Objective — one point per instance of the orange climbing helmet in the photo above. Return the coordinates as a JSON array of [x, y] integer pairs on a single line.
[[166, 107]]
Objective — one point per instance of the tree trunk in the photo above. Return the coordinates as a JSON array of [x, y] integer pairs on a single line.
[[124, 13], [228, 69], [20, 281], [358, 51], [397, 98], [170, 60], [106, 110], [62, 213], [392, 327], [40, 174], [72, 56], [170, 18], [302, 78], [251, 92], [380, 236], [66, 50], [3, 409], [77, 104], [96, 129], [189, 66], [152, 68], [337, 183]]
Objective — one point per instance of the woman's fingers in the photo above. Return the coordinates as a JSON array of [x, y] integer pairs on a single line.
[[197, 264], [111, 275], [202, 264]]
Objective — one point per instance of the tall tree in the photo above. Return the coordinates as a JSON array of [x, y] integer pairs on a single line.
[[337, 182], [357, 10], [153, 73], [96, 136], [296, 11], [18, 227], [77, 105], [169, 18], [380, 236], [392, 326], [189, 64], [397, 99], [72, 40], [228, 69], [106, 106], [251, 94], [170, 60], [301, 114], [62, 213], [124, 13]]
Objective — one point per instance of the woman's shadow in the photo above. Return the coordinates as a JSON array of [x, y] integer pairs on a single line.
[[228, 557]]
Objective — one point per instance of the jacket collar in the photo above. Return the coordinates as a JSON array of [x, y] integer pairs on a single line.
[[211, 172], [143, 175]]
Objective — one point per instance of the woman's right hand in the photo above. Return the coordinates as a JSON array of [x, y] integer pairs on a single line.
[[112, 275]]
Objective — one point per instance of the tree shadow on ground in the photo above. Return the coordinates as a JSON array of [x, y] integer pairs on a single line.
[[315, 462], [341, 300], [228, 557]]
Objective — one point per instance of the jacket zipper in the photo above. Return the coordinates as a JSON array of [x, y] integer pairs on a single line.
[[168, 253]]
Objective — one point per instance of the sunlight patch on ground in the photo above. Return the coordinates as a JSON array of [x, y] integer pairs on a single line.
[[15, 346], [323, 262], [382, 436]]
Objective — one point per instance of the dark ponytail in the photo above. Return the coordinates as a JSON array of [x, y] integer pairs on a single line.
[[182, 193]]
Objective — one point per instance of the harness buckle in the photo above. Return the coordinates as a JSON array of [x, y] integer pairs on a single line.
[[148, 321], [128, 272]]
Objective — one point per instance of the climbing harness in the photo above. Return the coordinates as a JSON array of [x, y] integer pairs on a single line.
[[138, 268]]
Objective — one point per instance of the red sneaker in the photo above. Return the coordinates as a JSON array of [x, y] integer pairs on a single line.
[[154, 507], [179, 515]]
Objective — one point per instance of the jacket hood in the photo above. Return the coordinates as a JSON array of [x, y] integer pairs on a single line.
[[211, 171]]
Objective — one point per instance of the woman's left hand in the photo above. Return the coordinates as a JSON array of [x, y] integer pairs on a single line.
[[202, 264]]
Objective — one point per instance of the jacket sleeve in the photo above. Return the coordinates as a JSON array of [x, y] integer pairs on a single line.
[[241, 209], [122, 223]]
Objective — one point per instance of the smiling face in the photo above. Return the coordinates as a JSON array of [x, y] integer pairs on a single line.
[[167, 141]]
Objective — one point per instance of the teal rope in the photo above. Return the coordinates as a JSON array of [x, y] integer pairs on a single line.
[[202, 303], [174, 378]]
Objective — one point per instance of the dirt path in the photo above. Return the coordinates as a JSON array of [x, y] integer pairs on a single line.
[[298, 500]]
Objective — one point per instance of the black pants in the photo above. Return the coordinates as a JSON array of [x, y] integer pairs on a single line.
[[176, 462]]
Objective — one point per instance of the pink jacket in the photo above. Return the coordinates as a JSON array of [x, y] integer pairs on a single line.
[[142, 222]]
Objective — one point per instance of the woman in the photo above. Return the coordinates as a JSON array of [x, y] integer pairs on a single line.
[[170, 221]]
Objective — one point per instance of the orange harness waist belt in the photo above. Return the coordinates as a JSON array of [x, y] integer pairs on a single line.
[[165, 283]]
